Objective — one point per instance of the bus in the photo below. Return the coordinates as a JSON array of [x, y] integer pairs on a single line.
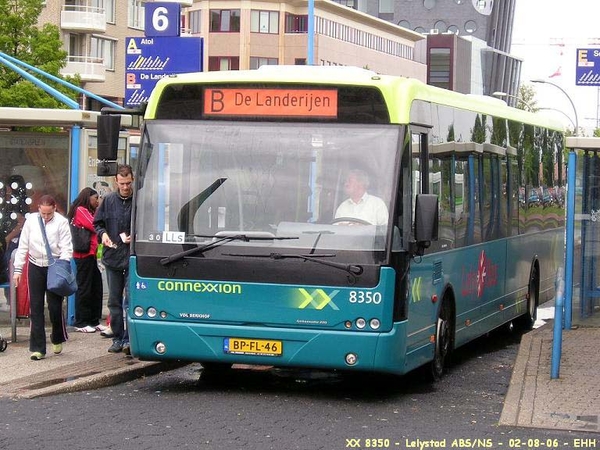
[[238, 255]]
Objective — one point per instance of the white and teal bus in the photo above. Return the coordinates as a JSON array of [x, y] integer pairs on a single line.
[[237, 253]]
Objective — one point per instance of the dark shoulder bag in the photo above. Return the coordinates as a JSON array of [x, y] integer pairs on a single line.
[[81, 238]]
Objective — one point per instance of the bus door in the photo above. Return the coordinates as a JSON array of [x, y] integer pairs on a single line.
[[424, 274]]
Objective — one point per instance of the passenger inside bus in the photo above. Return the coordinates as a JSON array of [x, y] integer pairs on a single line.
[[360, 208]]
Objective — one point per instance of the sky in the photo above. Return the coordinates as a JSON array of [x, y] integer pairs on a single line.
[[546, 35]]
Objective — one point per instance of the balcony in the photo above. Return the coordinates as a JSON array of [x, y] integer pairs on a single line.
[[90, 69], [83, 18]]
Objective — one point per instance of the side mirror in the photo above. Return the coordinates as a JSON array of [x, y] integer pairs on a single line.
[[426, 221], [108, 129]]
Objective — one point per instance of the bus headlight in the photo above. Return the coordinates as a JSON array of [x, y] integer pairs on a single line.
[[361, 323], [375, 324], [160, 348], [152, 312], [138, 311]]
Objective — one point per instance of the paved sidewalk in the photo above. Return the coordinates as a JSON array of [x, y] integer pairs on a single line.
[[570, 402], [83, 364]]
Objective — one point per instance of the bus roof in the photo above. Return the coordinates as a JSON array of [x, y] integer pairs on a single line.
[[399, 92]]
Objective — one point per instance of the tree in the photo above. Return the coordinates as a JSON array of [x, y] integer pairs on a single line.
[[527, 98], [41, 47]]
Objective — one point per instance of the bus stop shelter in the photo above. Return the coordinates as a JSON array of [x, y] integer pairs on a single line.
[[582, 237], [44, 162]]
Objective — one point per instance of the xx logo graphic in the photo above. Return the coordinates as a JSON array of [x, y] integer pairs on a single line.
[[318, 299]]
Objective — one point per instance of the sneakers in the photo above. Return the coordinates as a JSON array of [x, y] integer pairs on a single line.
[[36, 356], [126, 348], [116, 347], [107, 333], [86, 329], [57, 348], [100, 328]]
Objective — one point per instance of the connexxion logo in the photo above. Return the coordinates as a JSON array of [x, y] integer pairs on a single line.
[[198, 286], [317, 299]]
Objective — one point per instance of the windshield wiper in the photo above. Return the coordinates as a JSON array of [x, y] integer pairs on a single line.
[[352, 269], [222, 240]]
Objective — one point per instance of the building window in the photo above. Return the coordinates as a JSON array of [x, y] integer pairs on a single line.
[[225, 20], [441, 26], [219, 63], [264, 22], [300, 61], [256, 62], [296, 24], [386, 6], [109, 8], [103, 49], [135, 15], [439, 67], [470, 27], [195, 21]]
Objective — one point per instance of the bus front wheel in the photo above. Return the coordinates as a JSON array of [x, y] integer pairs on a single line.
[[443, 341]]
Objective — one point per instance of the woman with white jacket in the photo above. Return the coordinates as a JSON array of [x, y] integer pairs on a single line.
[[32, 251]]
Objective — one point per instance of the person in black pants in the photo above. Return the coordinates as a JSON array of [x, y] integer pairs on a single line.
[[32, 246], [113, 227], [88, 298]]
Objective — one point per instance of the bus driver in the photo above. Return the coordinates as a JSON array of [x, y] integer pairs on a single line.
[[360, 207]]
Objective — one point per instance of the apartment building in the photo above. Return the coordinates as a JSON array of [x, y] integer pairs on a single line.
[[237, 35], [93, 34]]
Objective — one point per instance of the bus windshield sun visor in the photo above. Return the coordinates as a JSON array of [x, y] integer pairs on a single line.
[[217, 243], [352, 269]]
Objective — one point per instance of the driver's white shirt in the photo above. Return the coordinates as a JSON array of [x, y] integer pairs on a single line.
[[369, 208]]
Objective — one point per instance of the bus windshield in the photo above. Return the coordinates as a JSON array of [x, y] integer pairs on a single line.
[[279, 185]]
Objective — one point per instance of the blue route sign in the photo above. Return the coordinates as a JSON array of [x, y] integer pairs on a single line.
[[148, 59], [162, 19], [588, 67]]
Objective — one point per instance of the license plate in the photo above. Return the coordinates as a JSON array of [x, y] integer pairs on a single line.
[[260, 347]]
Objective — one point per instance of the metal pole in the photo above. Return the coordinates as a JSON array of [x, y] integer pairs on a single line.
[[311, 32], [568, 97], [519, 99], [49, 89], [557, 331], [562, 112], [58, 80], [570, 237]]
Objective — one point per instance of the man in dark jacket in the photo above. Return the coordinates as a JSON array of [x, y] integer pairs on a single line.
[[112, 222]]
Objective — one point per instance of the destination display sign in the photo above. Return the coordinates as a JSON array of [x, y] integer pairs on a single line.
[[284, 102]]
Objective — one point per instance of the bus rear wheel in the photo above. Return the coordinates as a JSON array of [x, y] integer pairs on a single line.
[[527, 320], [443, 341]]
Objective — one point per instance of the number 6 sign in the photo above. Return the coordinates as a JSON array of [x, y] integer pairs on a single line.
[[162, 19]]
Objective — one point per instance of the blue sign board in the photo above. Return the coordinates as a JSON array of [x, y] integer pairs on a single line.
[[148, 59], [588, 67], [162, 19]]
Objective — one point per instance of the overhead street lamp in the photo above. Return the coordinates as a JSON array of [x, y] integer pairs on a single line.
[[567, 95], [562, 112], [519, 99]]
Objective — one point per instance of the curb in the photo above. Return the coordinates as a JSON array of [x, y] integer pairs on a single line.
[[96, 373]]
